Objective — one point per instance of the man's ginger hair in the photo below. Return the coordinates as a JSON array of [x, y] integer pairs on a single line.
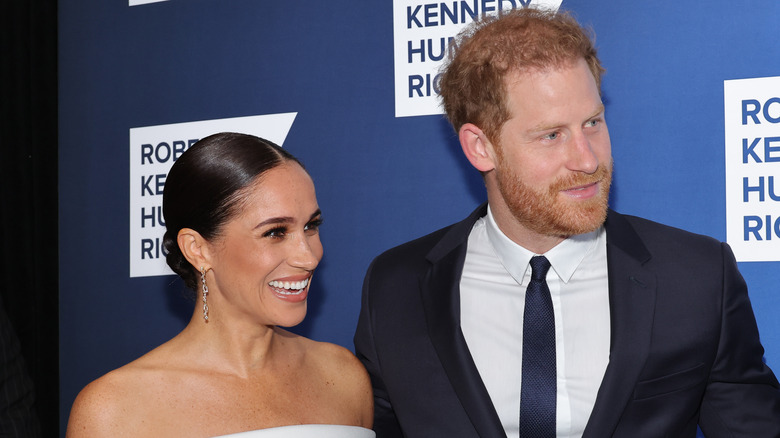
[[473, 87]]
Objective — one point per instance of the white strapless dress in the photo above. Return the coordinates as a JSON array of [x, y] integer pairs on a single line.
[[306, 431]]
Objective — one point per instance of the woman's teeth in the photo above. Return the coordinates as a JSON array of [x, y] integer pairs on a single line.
[[292, 286]]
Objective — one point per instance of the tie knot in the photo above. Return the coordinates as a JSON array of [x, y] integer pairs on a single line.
[[539, 267]]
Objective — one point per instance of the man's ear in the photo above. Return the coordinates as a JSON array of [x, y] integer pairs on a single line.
[[195, 248], [477, 148]]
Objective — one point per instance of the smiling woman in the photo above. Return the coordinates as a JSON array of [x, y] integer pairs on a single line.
[[242, 225]]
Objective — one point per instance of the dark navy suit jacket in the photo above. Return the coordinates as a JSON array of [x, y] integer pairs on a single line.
[[17, 416], [684, 347]]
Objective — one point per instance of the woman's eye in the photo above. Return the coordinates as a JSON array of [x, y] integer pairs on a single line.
[[313, 225], [277, 232]]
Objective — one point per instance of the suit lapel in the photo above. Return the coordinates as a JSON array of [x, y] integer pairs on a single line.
[[632, 290], [441, 302]]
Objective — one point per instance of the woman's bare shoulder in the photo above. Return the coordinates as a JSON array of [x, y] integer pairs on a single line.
[[104, 405], [327, 357], [109, 405], [337, 357], [346, 376]]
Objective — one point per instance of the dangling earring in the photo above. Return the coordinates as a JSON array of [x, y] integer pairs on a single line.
[[205, 293]]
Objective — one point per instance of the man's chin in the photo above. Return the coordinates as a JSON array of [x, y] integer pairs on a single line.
[[589, 222], [571, 222]]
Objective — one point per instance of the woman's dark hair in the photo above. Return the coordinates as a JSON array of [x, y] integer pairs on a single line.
[[204, 186]]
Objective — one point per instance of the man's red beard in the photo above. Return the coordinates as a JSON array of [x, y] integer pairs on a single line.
[[548, 212]]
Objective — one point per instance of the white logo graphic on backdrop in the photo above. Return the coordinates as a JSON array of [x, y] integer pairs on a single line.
[[752, 111], [143, 2], [153, 149], [422, 31]]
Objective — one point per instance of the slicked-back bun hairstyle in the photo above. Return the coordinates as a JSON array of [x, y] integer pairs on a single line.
[[204, 187]]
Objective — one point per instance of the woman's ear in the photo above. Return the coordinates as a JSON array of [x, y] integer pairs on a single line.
[[477, 148], [194, 247]]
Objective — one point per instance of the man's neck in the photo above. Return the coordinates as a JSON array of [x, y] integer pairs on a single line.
[[522, 235]]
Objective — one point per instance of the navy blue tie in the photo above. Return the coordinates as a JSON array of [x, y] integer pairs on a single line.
[[538, 386]]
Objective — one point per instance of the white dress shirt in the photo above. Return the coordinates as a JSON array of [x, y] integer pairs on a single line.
[[492, 298]]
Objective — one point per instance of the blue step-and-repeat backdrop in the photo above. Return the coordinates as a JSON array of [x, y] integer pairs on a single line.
[[692, 92]]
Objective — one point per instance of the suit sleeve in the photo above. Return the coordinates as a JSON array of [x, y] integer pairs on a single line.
[[742, 398], [17, 418], [385, 421]]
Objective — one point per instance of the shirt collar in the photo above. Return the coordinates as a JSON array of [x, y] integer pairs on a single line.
[[564, 258]]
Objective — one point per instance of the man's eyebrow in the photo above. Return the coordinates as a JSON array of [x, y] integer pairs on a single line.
[[548, 126]]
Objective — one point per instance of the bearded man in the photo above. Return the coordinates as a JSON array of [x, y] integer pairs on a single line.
[[544, 313]]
